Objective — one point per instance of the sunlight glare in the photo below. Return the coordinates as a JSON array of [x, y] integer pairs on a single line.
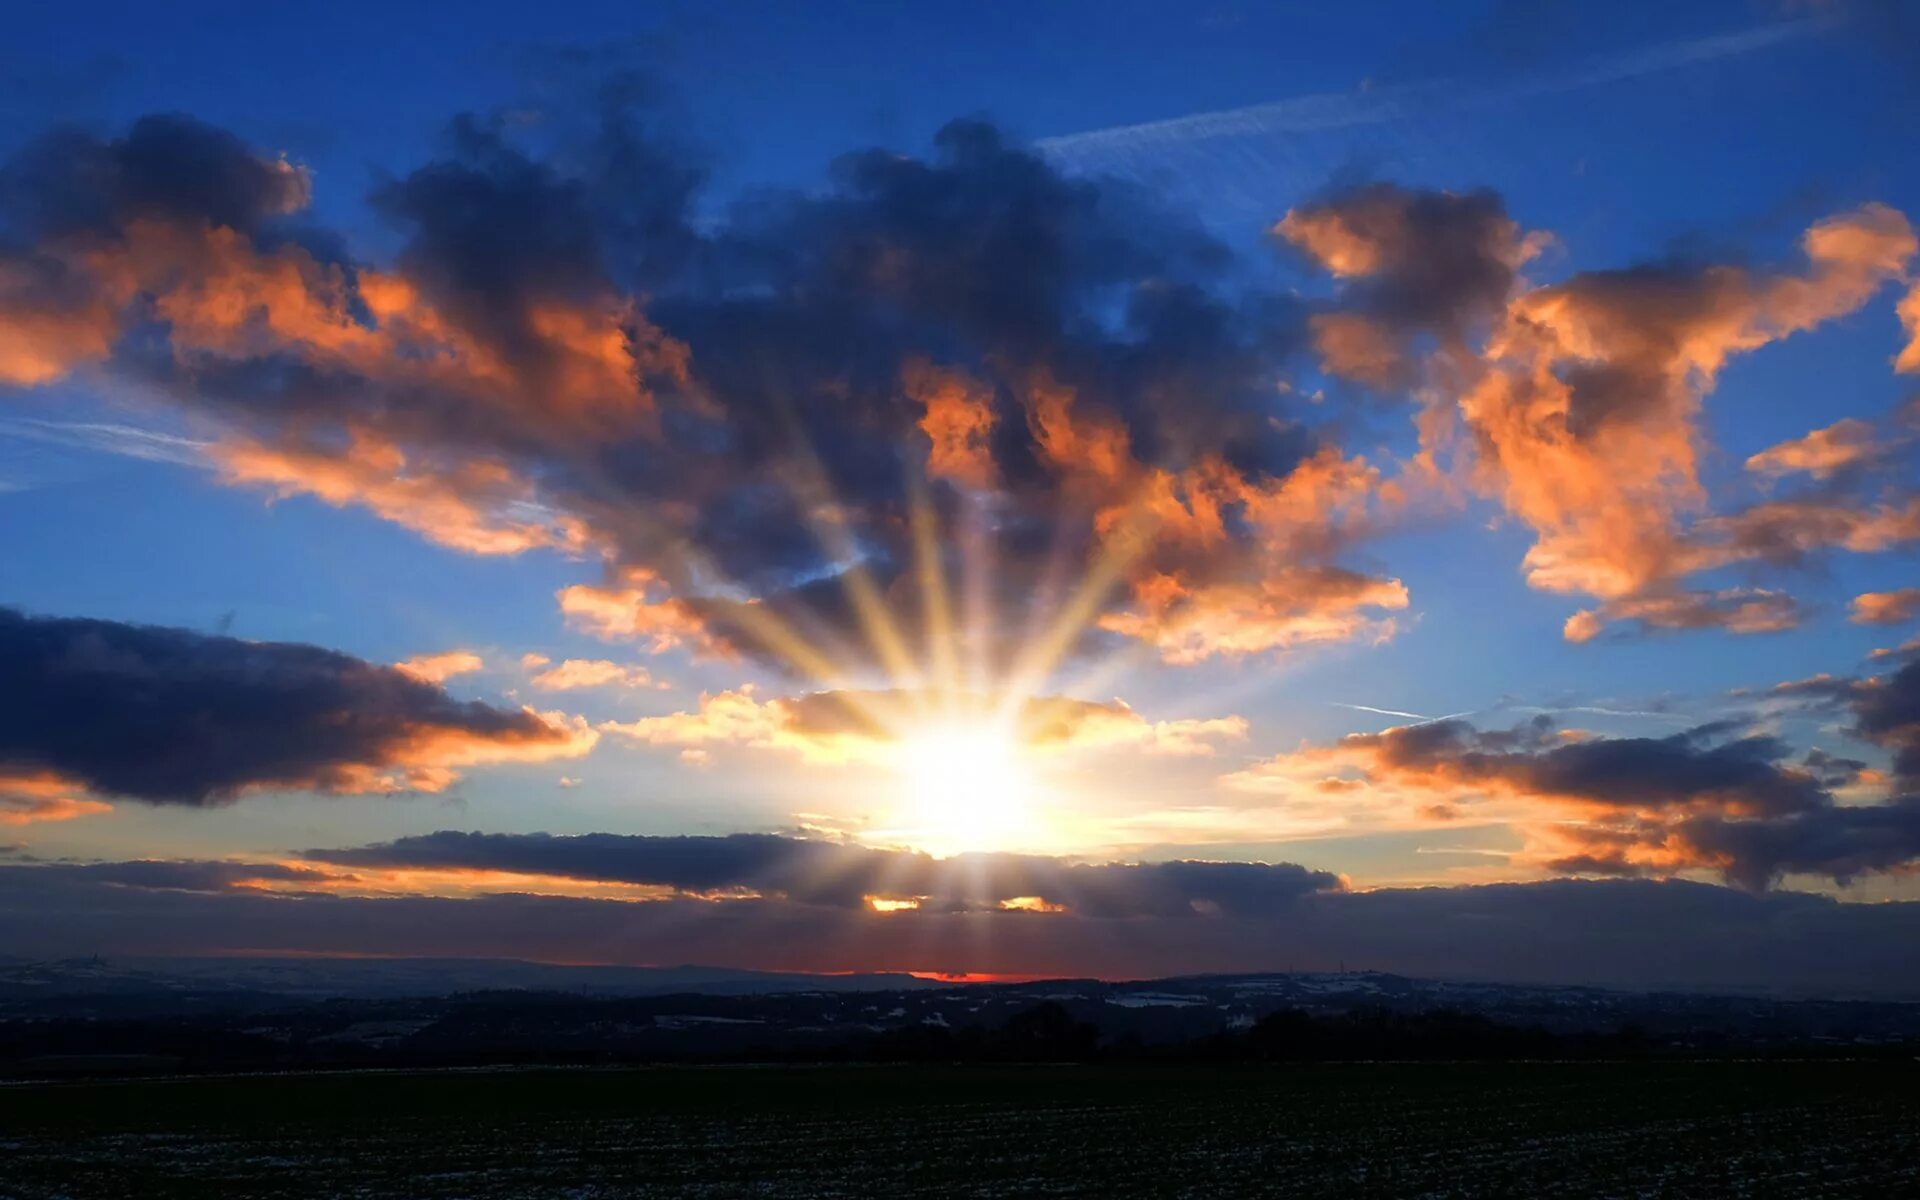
[[965, 787]]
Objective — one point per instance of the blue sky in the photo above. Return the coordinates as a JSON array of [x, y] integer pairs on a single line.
[[1694, 142]]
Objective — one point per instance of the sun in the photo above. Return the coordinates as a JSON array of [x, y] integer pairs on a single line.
[[965, 787]]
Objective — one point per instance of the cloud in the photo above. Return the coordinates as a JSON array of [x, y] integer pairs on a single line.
[[28, 797], [1564, 931], [635, 609], [1415, 263], [1577, 404], [1585, 422], [732, 717], [1789, 532], [1713, 798], [1885, 708], [555, 359], [127, 441], [854, 725], [1886, 608], [1821, 453], [1736, 610], [189, 875], [438, 668], [951, 407], [576, 673], [478, 506], [1128, 145], [167, 716], [843, 875]]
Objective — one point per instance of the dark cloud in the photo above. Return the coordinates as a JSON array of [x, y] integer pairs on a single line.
[[1888, 714], [759, 420], [168, 716], [1577, 404], [1568, 931], [1843, 843], [167, 167], [1701, 766], [190, 875], [779, 428], [1414, 264], [1885, 708], [843, 875], [1713, 798]]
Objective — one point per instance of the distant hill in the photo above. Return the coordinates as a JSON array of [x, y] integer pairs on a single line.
[[153, 1015], [27, 982]]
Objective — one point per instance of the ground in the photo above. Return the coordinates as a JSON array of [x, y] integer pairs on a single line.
[[1525, 1129]]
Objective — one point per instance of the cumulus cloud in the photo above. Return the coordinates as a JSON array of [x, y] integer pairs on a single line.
[[438, 668], [1823, 452], [1885, 708], [1736, 610], [1415, 263], [1586, 421], [167, 716], [838, 874], [1579, 406], [575, 673], [1886, 608], [782, 434], [800, 432], [1714, 798], [854, 725], [28, 797]]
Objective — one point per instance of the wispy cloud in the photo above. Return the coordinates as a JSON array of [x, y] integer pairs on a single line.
[[1598, 710], [1395, 712], [1118, 145], [101, 437]]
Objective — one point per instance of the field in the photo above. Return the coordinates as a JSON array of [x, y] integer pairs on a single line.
[[1527, 1129]]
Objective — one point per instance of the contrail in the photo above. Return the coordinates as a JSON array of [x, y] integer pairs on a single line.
[[1338, 110], [1394, 712], [126, 441], [1598, 711]]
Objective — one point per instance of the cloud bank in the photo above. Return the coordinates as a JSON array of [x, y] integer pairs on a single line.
[[168, 716], [1568, 931]]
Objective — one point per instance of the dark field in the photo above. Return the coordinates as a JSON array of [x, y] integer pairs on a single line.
[[1528, 1129]]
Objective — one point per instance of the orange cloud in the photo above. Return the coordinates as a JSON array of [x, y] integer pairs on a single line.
[[438, 668], [1355, 346], [429, 758], [476, 506], [1585, 420], [1821, 453], [958, 422], [1908, 361], [833, 727], [1785, 531], [302, 877], [1383, 228], [735, 717], [224, 297], [1736, 610], [576, 673], [1196, 591], [1290, 610], [500, 401], [1089, 447], [1413, 263], [30, 797], [1886, 608], [1707, 799], [636, 608], [39, 344]]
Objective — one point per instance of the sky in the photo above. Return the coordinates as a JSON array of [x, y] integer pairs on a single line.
[[1113, 490]]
